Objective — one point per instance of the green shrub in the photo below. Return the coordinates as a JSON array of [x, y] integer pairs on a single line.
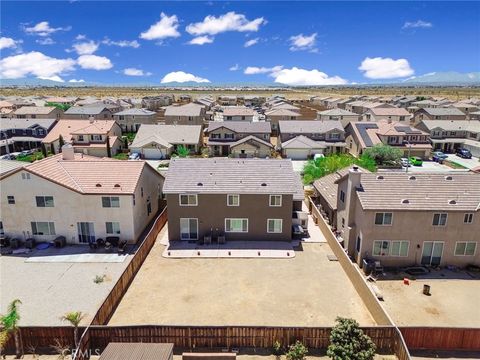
[[348, 341], [297, 351]]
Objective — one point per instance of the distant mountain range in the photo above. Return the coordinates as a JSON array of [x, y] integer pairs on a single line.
[[432, 79]]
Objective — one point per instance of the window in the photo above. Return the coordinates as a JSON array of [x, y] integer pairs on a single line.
[[468, 218], [343, 222], [149, 206], [44, 201], [188, 229], [188, 200], [274, 225], [381, 248], [11, 199], [215, 136], [334, 136], [97, 137], [467, 248], [43, 228], [275, 200], [141, 191], [25, 176], [439, 219], [229, 136], [110, 201], [112, 227], [383, 218], [342, 196], [399, 248], [236, 225], [233, 200], [80, 137]]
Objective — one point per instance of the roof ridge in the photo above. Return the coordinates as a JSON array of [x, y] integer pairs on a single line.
[[70, 175]]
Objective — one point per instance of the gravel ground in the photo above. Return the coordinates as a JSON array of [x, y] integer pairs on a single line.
[[49, 290], [307, 290]]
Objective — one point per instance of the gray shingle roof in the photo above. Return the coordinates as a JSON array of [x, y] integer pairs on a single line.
[[309, 126], [423, 192], [189, 109], [86, 110], [453, 125], [242, 127], [241, 176], [303, 142], [134, 111], [167, 134], [6, 124], [443, 111]]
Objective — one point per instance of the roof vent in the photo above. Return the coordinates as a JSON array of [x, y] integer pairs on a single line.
[[448, 178], [199, 184], [116, 185], [263, 184], [412, 178], [380, 177], [452, 202], [405, 201], [98, 185]]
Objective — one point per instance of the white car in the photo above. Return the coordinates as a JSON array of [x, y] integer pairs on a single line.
[[405, 162], [134, 156]]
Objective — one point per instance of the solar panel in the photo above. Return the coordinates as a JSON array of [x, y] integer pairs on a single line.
[[362, 129]]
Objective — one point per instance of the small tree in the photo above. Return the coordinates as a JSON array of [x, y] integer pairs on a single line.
[[297, 351], [125, 142], [74, 318], [383, 154], [109, 149], [44, 150], [60, 143], [52, 148], [9, 324], [182, 151], [347, 341]]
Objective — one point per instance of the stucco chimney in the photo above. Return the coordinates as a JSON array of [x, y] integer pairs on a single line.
[[67, 152]]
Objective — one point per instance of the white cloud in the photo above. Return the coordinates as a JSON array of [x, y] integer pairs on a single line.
[[51, 78], [251, 42], [6, 43], [385, 68], [303, 42], [135, 72], [85, 48], [33, 63], [165, 28], [303, 77], [253, 70], [94, 62], [45, 41], [181, 77], [121, 43], [80, 37], [76, 81], [201, 40], [43, 29], [230, 21], [234, 67], [417, 24]]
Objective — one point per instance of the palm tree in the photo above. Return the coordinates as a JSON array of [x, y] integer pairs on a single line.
[[9, 324], [74, 318], [183, 151]]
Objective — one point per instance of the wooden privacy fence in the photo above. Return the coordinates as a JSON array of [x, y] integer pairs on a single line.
[[111, 302], [43, 337], [441, 338]]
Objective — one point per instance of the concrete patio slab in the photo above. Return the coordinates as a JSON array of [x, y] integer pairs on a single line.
[[78, 258]]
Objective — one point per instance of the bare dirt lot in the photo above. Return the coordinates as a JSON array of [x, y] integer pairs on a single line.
[[308, 290], [453, 301]]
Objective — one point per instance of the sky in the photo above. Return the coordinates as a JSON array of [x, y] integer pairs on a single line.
[[254, 42]]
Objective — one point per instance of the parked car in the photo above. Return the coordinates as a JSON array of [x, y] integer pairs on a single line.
[[7, 157], [416, 161], [134, 156], [405, 162], [28, 152], [439, 156], [464, 153]]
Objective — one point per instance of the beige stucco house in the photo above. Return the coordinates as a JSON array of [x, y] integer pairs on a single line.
[[188, 114]]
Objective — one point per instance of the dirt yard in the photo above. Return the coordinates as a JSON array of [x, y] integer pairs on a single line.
[[308, 290], [453, 301]]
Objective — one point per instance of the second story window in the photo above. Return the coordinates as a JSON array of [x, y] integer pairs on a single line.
[[233, 200], [275, 200], [25, 176], [80, 137], [97, 137], [11, 199], [215, 136], [383, 218], [342, 196], [110, 201], [468, 218], [229, 136], [188, 200], [439, 219], [44, 201]]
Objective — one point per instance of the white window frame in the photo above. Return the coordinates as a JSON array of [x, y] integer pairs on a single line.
[[231, 231], [233, 195], [381, 248], [468, 216], [270, 200], [50, 224], [181, 235], [465, 250], [188, 199], [383, 219], [399, 248], [44, 201], [110, 202], [274, 232], [439, 217], [113, 227]]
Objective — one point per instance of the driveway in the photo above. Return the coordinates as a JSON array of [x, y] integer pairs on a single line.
[[468, 163]]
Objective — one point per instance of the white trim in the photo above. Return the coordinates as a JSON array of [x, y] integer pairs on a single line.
[[275, 232], [433, 242], [270, 201], [466, 242], [180, 223], [230, 231], [186, 194], [237, 195], [440, 213], [468, 213]]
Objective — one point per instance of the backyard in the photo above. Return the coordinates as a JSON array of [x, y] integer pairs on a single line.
[[308, 290]]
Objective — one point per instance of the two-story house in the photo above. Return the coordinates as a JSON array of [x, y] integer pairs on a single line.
[[275, 115], [411, 141], [301, 139], [233, 199], [238, 113], [37, 112], [239, 138], [131, 119], [23, 134], [91, 137], [410, 219], [161, 141], [188, 114], [344, 116], [448, 136], [392, 114], [438, 114], [154, 103], [80, 197], [98, 112]]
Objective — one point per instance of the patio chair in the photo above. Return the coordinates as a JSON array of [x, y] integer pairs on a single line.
[[378, 267], [122, 246], [114, 240]]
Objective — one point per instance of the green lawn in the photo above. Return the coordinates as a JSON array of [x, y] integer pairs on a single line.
[[121, 156], [30, 158]]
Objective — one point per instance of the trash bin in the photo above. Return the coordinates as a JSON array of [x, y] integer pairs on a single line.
[[30, 243], [426, 290], [15, 243]]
